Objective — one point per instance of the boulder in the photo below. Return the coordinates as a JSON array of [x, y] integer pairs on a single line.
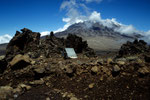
[[20, 61]]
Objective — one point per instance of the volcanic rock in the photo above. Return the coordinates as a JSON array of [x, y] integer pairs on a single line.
[[147, 58], [91, 85], [3, 65], [21, 43], [5, 92], [143, 71], [115, 70], [95, 69], [133, 48], [20, 61]]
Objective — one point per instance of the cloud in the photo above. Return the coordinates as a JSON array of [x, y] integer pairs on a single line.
[[5, 38], [89, 1], [45, 33]]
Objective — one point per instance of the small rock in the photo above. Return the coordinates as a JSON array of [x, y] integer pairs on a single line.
[[143, 71], [17, 90], [32, 62], [47, 98], [99, 62], [73, 98], [120, 62], [101, 79], [116, 68], [95, 69], [2, 57], [109, 60], [132, 58], [27, 87], [5, 92], [39, 70], [91, 85], [37, 82]]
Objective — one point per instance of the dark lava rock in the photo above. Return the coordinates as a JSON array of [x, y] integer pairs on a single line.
[[3, 65], [51, 46], [21, 43], [147, 58], [132, 48], [28, 42], [73, 41], [80, 46]]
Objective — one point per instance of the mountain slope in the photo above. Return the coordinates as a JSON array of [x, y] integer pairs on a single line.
[[98, 36], [3, 48]]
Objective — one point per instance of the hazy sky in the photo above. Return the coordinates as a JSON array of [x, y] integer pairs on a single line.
[[47, 15]]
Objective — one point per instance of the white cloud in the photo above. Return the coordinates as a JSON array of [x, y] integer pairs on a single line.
[[89, 1], [45, 33], [95, 17], [5, 38]]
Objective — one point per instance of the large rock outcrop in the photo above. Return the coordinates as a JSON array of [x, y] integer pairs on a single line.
[[28, 42], [133, 48], [24, 42]]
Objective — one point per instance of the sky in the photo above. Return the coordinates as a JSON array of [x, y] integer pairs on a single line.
[[56, 15]]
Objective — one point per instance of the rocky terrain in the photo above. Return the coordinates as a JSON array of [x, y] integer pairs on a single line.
[[34, 68]]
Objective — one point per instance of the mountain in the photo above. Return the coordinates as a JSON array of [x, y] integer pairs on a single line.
[[98, 36], [3, 48]]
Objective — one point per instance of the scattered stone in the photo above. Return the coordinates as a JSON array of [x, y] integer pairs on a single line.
[[73, 98], [144, 71], [2, 57], [121, 63], [91, 85], [37, 82], [5, 92], [70, 70], [47, 98], [116, 68], [132, 58], [39, 70], [95, 69], [100, 61], [109, 60], [23, 86]]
